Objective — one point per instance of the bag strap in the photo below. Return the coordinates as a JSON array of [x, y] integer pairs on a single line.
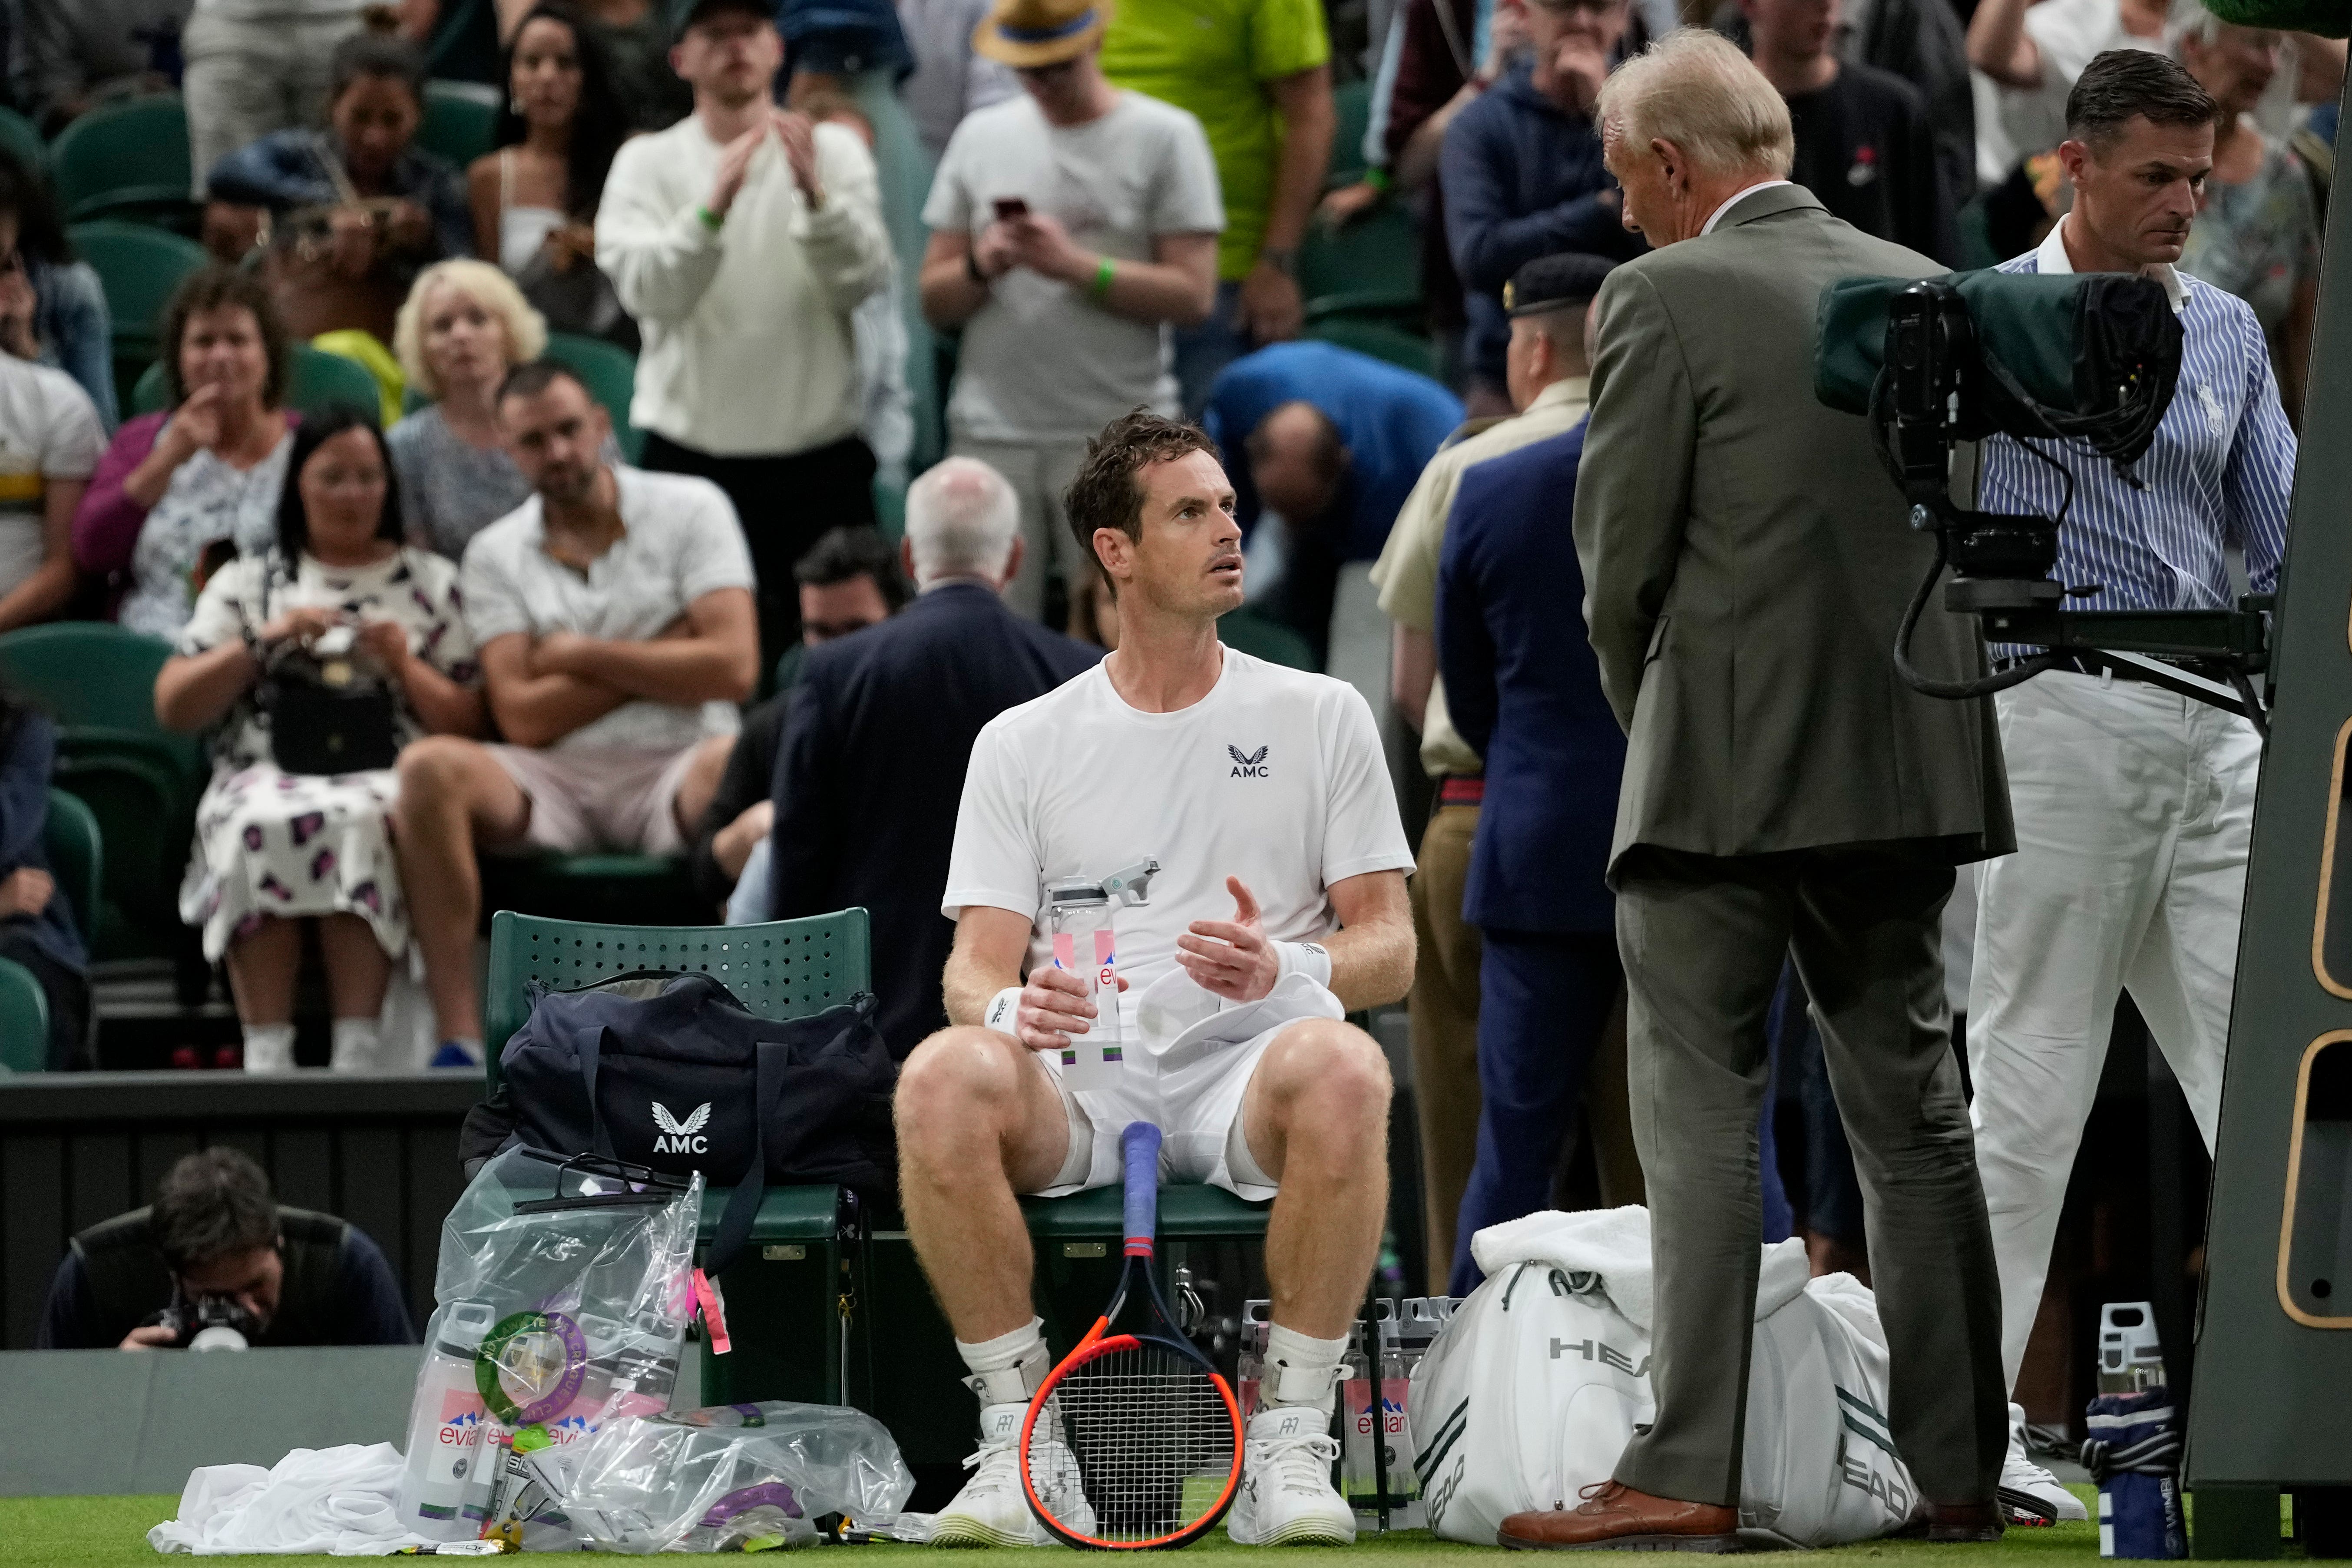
[[591, 1050], [743, 1203]]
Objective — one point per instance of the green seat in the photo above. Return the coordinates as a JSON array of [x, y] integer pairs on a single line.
[[1352, 103], [139, 266], [803, 1265], [1410, 349], [611, 373], [1188, 1211], [77, 853], [23, 1020], [315, 380], [465, 44], [23, 138], [459, 120], [1371, 267], [1260, 637], [125, 160]]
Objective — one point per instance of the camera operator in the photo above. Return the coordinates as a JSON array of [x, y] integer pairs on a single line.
[[2134, 806], [216, 1251]]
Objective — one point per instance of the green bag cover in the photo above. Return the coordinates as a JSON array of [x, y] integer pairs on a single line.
[[2328, 18], [2028, 322]]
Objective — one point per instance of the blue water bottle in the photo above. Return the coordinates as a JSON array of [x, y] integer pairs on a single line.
[[2134, 1449]]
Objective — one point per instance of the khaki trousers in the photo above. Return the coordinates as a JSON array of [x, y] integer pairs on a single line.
[[1445, 1028]]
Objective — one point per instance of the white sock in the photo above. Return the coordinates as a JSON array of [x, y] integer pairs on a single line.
[[1300, 1369], [355, 1045], [269, 1047], [1009, 1368]]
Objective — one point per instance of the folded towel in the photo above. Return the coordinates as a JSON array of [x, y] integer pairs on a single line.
[[1614, 1244], [340, 1499]]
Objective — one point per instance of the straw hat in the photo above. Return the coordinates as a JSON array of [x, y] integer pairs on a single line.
[[1029, 34]]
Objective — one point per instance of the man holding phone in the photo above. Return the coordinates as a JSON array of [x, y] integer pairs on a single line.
[[1071, 229]]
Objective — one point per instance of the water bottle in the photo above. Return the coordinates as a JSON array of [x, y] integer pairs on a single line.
[[2134, 1449], [445, 1428], [1249, 1364], [1359, 1416], [1085, 943], [1416, 1326]]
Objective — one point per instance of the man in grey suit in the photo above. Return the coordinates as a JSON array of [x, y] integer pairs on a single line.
[[1747, 561]]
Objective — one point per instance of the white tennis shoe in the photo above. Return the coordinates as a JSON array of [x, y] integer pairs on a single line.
[[1285, 1497], [992, 1510], [2030, 1494]]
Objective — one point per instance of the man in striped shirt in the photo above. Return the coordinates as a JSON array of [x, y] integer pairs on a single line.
[[2134, 806]]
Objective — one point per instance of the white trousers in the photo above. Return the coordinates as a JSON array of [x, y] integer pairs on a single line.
[[2135, 810]]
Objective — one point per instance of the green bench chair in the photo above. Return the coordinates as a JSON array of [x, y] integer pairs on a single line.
[[126, 160], [69, 837], [801, 1267], [461, 118]]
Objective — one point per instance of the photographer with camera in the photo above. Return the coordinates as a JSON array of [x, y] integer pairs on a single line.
[[217, 1261], [2134, 805]]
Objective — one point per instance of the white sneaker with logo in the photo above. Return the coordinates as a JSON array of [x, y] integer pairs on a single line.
[[2029, 1494], [993, 1509], [1285, 1498]]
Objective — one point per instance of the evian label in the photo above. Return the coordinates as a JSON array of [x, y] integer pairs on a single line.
[[1095, 1058]]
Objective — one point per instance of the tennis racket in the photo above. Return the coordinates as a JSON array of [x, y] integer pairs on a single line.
[[1135, 1434]]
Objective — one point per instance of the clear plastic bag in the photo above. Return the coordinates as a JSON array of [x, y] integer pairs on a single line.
[[707, 1480], [565, 1286]]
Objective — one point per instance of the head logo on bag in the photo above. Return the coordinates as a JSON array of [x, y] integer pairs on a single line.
[[681, 1137]]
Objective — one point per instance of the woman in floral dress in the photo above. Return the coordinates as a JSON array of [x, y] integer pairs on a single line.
[[340, 596]]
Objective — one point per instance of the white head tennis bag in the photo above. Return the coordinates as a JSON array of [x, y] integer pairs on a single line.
[[1532, 1390]]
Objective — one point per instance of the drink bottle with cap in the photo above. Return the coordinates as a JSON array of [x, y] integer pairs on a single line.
[[446, 1424], [1085, 943]]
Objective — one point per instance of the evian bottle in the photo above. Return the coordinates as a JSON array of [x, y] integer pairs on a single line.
[[447, 1426], [1085, 943]]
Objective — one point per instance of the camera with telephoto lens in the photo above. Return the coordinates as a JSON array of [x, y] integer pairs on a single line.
[[207, 1322]]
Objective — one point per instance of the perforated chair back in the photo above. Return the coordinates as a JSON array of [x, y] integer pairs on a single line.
[[783, 968]]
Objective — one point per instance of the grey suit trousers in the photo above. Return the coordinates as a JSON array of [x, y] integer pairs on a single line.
[[1702, 938]]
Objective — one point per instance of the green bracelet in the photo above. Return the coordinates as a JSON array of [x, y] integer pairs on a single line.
[[1103, 276], [1377, 177], [710, 220]]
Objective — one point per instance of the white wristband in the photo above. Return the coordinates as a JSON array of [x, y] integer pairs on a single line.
[[1002, 1009], [1306, 958]]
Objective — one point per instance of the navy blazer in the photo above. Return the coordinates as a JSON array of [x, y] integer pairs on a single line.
[[1524, 689], [869, 776]]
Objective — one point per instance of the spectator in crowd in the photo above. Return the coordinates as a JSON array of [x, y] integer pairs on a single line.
[[49, 445], [72, 55], [2257, 229], [254, 68], [848, 581], [279, 841], [1256, 75], [1267, 1087], [1522, 174], [217, 1233], [1825, 820], [2031, 53], [1923, 42], [637, 37], [1526, 695], [463, 328], [1546, 368], [951, 77], [1864, 146], [829, 44], [1070, 226], [742, 239], [534, 199], [355, 211], [37, 927], [613, 614], [877, 736], [1331, 441], [209, 468], [878, 327], [2118, 785], [52, 306]]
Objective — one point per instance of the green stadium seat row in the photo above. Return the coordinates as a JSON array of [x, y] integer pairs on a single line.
[[71, 838]]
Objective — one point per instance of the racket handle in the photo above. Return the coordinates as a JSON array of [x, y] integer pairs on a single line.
[[1140, 1144]]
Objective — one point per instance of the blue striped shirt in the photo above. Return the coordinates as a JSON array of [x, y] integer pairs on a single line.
[[2220, 471]]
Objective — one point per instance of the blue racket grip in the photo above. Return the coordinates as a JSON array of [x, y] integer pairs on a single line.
[[1141, 1146]]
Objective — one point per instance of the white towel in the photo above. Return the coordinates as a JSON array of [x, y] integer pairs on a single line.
[[336, 1499], [1615, 1244]]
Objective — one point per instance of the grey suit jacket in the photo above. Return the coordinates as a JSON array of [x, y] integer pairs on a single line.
[[1747, 561]]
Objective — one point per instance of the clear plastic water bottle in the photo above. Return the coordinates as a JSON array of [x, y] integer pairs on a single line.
[[446, 1424], [1085, 943], [1249, 1364]]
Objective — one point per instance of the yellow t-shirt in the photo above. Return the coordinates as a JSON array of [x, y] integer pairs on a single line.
[[1213, 57]]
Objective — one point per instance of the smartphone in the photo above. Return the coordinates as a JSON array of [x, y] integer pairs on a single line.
[[1011, 208]]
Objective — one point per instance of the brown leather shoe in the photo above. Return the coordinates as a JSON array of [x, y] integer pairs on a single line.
[[1964, 1522], [1614, 1518]]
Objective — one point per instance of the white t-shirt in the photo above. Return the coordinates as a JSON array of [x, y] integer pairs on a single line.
[[682, 542], [1275, 776], [48, 430], [1044, 360]]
